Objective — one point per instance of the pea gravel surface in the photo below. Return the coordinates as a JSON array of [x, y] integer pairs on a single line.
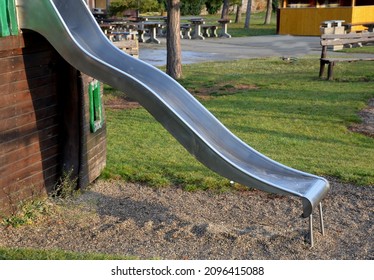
[[135, 220]]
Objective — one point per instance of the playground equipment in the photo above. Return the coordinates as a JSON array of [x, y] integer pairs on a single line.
[[70, 27]]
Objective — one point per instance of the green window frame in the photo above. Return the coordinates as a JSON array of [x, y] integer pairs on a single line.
[[95, 106], [8, 18]]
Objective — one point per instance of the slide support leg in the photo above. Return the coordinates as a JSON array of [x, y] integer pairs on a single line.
[[311, 237], [321, 218], [311, 230]]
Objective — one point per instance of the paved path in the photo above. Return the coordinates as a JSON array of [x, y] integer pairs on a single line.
[[220, 49]]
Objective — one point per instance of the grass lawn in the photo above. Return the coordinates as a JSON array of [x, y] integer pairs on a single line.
[[281, 109], [364, 49], [256, 28], [35, 254]]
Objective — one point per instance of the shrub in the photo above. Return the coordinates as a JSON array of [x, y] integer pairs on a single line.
[[118, 7], [213, 6], [191, 7]]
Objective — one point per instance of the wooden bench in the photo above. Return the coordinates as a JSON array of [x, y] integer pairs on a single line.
[[330, 40]]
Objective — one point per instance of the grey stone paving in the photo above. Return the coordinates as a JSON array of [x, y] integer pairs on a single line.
[[220, 49]]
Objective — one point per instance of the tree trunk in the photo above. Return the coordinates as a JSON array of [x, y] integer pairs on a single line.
[[248, 14], [173, 45], [269, 10], [238, 17], [225, 9]]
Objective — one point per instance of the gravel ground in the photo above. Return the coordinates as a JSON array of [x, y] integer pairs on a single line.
[[169, 223]]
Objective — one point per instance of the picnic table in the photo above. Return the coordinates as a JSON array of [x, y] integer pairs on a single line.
[[105, 27], [115, 32], [196, 25], [368, 25], [152, 27], [223, 32]]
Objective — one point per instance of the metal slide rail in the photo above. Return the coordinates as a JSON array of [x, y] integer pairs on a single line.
[[70, 27]]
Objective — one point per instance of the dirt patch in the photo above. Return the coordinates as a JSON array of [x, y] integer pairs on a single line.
[[121, 102], [367, 125], [169, 223], [221, 90]]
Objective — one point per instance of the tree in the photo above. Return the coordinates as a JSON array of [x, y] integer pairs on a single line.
[[117, 7], [238, 17], [269, 10], [248, 14], [213, 6], [173, 45], [191, 7], [225, 9]]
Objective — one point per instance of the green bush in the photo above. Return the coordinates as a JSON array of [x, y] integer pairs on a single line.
[[118, 7], [213, 6], [191, 7]]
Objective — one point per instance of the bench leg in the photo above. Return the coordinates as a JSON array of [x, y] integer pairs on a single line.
[[330, 71], [197, 32], [213, 30], [206, 32], [321, 69], [141, 36], [153, 38], [186, 33], [223, 32]]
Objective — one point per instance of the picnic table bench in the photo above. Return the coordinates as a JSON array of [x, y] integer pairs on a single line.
[[186, 31], [197, 28], [209, 30], [328, 40], [122, 35], [201, 30]]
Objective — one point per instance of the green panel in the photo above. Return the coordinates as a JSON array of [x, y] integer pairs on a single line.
[[8, 18], [95, 106], [4, 27], [91, 107], [12, 17]]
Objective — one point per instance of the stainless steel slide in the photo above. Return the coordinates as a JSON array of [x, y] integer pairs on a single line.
[[71, 29]]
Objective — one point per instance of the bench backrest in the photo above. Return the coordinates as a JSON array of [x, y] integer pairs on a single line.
[[342, 39]]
